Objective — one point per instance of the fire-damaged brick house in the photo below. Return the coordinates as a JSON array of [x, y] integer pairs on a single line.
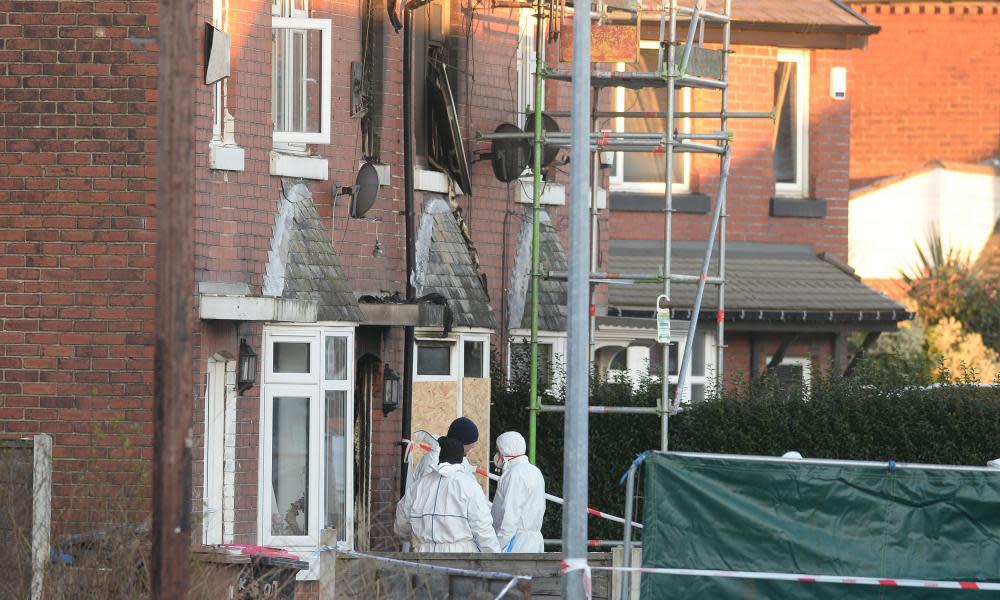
[[359, 269]]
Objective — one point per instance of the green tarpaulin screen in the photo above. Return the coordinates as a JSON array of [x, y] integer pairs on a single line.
[[813, 517]]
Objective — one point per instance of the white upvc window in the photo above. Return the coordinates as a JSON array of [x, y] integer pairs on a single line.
[[301, 55], [790, 137], [306, 457], [645, 172], [793, 371], [700, 370], [551, 359], [526, 63], [475, 356], [435, 359]]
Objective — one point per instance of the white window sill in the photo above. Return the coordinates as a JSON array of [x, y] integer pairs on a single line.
[[302, 167], [553, 194], [223, 157], [383, 170], [426, 180]]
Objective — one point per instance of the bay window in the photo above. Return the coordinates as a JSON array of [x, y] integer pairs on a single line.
[[701, 368], [306, 436]]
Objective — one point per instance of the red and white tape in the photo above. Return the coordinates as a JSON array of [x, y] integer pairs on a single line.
[[577, 564], [484, 473]]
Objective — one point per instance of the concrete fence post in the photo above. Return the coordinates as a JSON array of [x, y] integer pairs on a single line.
[[41, 512]]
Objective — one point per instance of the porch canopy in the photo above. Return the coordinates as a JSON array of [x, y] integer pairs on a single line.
[[782, 285]]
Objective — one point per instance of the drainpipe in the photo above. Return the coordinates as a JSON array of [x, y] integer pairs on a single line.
[[408, 216]]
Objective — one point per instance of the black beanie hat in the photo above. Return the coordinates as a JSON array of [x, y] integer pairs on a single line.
[[464, 430], [452, 450]]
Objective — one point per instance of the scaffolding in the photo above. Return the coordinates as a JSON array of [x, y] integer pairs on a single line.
[[681, 63]]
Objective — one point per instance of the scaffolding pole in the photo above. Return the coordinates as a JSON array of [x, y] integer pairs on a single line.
[[536, 208], [576, 442], [668, 216]]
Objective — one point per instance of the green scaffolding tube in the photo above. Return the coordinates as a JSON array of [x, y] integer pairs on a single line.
[[536, 206]]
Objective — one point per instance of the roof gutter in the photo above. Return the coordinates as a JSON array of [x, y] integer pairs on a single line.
[[781, 316]]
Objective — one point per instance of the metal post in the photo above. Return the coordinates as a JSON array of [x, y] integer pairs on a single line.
[[595, 173], [536, 207], [575, 444], [668, 221], [720, 202], [172, 377], [720, 335], [627, 556]]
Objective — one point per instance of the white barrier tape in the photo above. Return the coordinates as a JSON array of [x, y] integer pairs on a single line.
[[484, 473], [801, 578], [578, 564], [510, 585]]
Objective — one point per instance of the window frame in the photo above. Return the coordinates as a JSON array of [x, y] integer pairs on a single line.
[[314, 387], [526, 66], [558, 344], [294, 337], [483, 339], [311, 538], [616, 179], [797, 361], [453, 361], [800, 187], [706, 379], [325, 26]]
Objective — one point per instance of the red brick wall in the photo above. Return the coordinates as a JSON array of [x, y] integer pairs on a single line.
[[751, 179], [818, 347], [77, 106], [926, 87]]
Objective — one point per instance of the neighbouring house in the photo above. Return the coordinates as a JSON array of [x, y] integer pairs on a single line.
[[790, 298], [959, 202], [925, 135]]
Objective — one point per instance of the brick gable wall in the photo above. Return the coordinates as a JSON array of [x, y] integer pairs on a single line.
[[77, 142], [925, 88]]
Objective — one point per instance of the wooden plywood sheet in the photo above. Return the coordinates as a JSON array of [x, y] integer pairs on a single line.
[[476, 406], [435, 406]]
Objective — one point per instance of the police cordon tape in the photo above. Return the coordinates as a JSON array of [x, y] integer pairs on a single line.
[[579, 564], [484, 473]]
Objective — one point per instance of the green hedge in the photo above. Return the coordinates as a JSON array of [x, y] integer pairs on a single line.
[[858, 418]]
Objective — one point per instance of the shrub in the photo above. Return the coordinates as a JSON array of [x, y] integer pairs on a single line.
[[869, 416]]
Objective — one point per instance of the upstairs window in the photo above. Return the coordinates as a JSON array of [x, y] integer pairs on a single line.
[[526, 63], [300, 82], [790, 137], [646, 171]]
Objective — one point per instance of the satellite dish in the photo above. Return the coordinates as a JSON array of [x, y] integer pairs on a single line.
[[510, 157], [364, 192], [549, 125]]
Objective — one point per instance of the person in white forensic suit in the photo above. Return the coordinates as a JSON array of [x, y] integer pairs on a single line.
[[462, 429], [446, 511], [519, 502]]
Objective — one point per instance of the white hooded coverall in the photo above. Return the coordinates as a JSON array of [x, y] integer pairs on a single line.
[[428, 463], [519, 502], [446, 511]]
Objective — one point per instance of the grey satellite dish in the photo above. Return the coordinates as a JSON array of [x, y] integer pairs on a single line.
[[364, 192], [509, 157], [549, 125]]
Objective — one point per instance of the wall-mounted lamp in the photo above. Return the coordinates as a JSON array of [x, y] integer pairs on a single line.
[[390, 390], [248, 367]]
